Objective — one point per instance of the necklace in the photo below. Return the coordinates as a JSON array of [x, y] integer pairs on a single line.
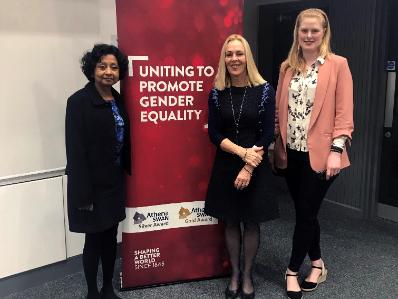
[[237, 121]]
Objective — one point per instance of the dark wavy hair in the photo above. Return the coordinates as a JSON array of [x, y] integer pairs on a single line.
[[90, 60]]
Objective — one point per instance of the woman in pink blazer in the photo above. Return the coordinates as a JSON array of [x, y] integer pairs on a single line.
[[314, 122]]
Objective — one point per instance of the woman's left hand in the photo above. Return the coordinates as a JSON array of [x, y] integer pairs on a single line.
[[242, 180], [333, 164]]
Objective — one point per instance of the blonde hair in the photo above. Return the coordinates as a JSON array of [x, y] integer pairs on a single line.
[[295, 59], [223, 79]]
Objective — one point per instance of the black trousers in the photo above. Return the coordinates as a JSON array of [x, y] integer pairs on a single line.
[[307, 189]]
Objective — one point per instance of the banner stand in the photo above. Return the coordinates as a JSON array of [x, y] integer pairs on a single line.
[[173, 49]]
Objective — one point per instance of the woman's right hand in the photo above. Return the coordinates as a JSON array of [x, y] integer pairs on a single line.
[[251, 156]]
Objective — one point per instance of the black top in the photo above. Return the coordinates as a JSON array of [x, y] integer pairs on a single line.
[[258, 116]]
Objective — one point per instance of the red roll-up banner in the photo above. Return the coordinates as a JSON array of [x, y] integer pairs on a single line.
[[173, 48]]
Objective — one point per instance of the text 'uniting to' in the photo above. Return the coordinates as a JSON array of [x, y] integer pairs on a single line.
[[147, 86]]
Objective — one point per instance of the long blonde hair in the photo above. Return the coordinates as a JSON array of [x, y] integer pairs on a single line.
[[295, 59], [223, 79]]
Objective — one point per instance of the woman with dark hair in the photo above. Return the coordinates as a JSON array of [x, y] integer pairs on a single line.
[[97, 139]]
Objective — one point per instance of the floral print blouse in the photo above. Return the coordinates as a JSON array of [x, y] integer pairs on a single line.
[[302, 89]]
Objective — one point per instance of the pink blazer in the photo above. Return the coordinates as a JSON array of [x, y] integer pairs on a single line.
[[332, 113]]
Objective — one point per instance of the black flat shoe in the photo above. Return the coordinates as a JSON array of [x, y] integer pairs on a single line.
[[293, 294], [93, 296], [308, 286], [231, 294], [243, 295], [108, 293]]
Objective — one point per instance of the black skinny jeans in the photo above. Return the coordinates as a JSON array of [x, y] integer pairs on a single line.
[[307, 190]]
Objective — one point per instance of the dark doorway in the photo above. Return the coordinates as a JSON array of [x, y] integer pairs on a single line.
[[388, 200], [275, 34]]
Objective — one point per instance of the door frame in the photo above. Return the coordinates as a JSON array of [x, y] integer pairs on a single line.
[[384, 210]]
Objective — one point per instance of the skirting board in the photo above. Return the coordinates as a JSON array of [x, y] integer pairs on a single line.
[[387, 212], [342, 209]]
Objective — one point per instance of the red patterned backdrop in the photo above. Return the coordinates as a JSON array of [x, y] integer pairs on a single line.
[[166, 236]]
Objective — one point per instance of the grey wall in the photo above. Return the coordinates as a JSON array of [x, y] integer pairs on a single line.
[[358, 31]]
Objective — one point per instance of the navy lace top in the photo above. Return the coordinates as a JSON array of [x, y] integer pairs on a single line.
[[258, 114]]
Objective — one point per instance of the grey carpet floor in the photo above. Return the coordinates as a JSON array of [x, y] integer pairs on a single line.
[[361, 256]]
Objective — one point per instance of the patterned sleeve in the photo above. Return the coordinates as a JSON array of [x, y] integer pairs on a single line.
[[266, 124], [214, 121]]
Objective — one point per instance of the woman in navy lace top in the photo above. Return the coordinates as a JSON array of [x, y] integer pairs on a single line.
[[241, 124], [98, 155]]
